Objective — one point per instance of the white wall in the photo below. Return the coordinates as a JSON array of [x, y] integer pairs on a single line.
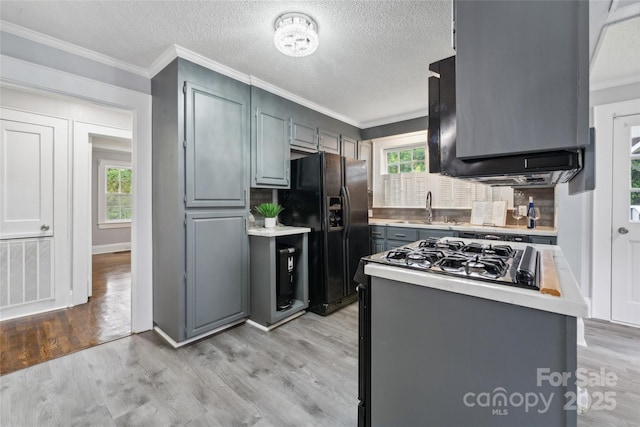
[[576, 213], [60, 83]]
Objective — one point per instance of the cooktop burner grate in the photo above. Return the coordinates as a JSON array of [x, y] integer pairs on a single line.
[[474, 260]]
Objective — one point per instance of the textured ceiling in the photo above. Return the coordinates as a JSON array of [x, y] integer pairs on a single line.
[[371, 66], [372, 62], [618, 58]]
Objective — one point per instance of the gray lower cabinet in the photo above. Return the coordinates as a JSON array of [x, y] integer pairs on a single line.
[[217, 277], [263, 278], [427, 233], [349, 147], [201, 169], [377, 237], [270, 149], [440, 358], [304, 137], [328, 141], [543, 240], [400, 236]]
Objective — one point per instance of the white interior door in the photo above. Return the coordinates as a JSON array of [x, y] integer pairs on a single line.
[[34, 219], [625, 244], [26, 198]]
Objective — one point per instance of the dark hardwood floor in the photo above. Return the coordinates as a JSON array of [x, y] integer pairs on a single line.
[[107, 316]]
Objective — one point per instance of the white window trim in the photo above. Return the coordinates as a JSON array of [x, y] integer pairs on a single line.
[[102, 188], [380, 146], [411, 146]]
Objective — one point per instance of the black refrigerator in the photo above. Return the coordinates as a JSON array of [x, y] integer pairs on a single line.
[[328, 194]]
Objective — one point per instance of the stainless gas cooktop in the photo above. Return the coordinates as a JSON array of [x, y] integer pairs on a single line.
[[476, 260]]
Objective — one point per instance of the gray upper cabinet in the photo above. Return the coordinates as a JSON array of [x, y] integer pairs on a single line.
[[215, 148], [304, 137], [365, 152], [349, 147], [217, 274], [328, 141], [270, 149], [522, 72]]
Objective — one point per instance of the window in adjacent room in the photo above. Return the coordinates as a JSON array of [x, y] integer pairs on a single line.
[[114, 194]]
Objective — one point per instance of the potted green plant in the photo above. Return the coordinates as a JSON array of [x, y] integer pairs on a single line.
[[270, 212]]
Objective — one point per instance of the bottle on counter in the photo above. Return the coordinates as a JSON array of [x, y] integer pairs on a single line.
[[531, 214]]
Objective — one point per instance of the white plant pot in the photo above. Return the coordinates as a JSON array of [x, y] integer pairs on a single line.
[[270, 223]]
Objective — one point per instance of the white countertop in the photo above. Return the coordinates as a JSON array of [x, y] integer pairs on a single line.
[[280, 230], [508, 229], [570, 303]]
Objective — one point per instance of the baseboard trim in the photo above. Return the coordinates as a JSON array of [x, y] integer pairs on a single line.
[[176, 344], [110, 248], [275, 325]]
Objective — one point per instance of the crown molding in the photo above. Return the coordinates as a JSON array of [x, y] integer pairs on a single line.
[[177, 51], [394, 119], [302, 101], [162, 61], [620, 81], [71, 48]]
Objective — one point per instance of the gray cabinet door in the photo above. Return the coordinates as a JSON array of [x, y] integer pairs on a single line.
[[349, 148], [365, 153], [304, 137], [270, 154], [521, 76], [217, 270], [329, 141], [543, 240], [377, 246], [436, 234], [216, 148]]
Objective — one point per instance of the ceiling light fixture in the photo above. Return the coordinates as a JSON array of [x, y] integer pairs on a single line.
[[296, 34]]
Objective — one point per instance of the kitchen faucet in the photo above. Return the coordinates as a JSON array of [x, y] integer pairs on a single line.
[[429, 212]]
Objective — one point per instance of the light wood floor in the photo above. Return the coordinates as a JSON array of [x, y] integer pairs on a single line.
[[107, 316], [303, 373]]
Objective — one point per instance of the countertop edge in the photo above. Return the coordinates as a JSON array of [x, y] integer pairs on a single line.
[[571, 303], [276, 232], [464, 227]]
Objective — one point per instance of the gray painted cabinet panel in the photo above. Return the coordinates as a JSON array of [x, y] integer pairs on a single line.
[[217, 276], [431, 347], [270, 145], [349, 147], [304, 137], [263, 277], [216, 148], [521, 76], [329, 141], [365, 152]]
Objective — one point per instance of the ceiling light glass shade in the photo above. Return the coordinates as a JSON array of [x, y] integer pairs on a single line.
[[296, 35]]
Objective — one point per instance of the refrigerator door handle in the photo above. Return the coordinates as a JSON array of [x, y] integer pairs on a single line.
[[347, 211]]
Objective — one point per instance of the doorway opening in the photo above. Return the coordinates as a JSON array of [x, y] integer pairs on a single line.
[[34, 336]]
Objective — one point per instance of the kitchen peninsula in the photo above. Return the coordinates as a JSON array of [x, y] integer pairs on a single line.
[[446, 350]]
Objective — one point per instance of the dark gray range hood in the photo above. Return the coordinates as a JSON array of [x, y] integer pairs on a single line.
[[539, 169]]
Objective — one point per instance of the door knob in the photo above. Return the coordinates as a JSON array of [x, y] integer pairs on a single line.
[[623, 230], [44, 227]]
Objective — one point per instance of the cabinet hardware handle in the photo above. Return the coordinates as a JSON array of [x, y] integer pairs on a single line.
[[623, 230], [44, 227], [400, 235]]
